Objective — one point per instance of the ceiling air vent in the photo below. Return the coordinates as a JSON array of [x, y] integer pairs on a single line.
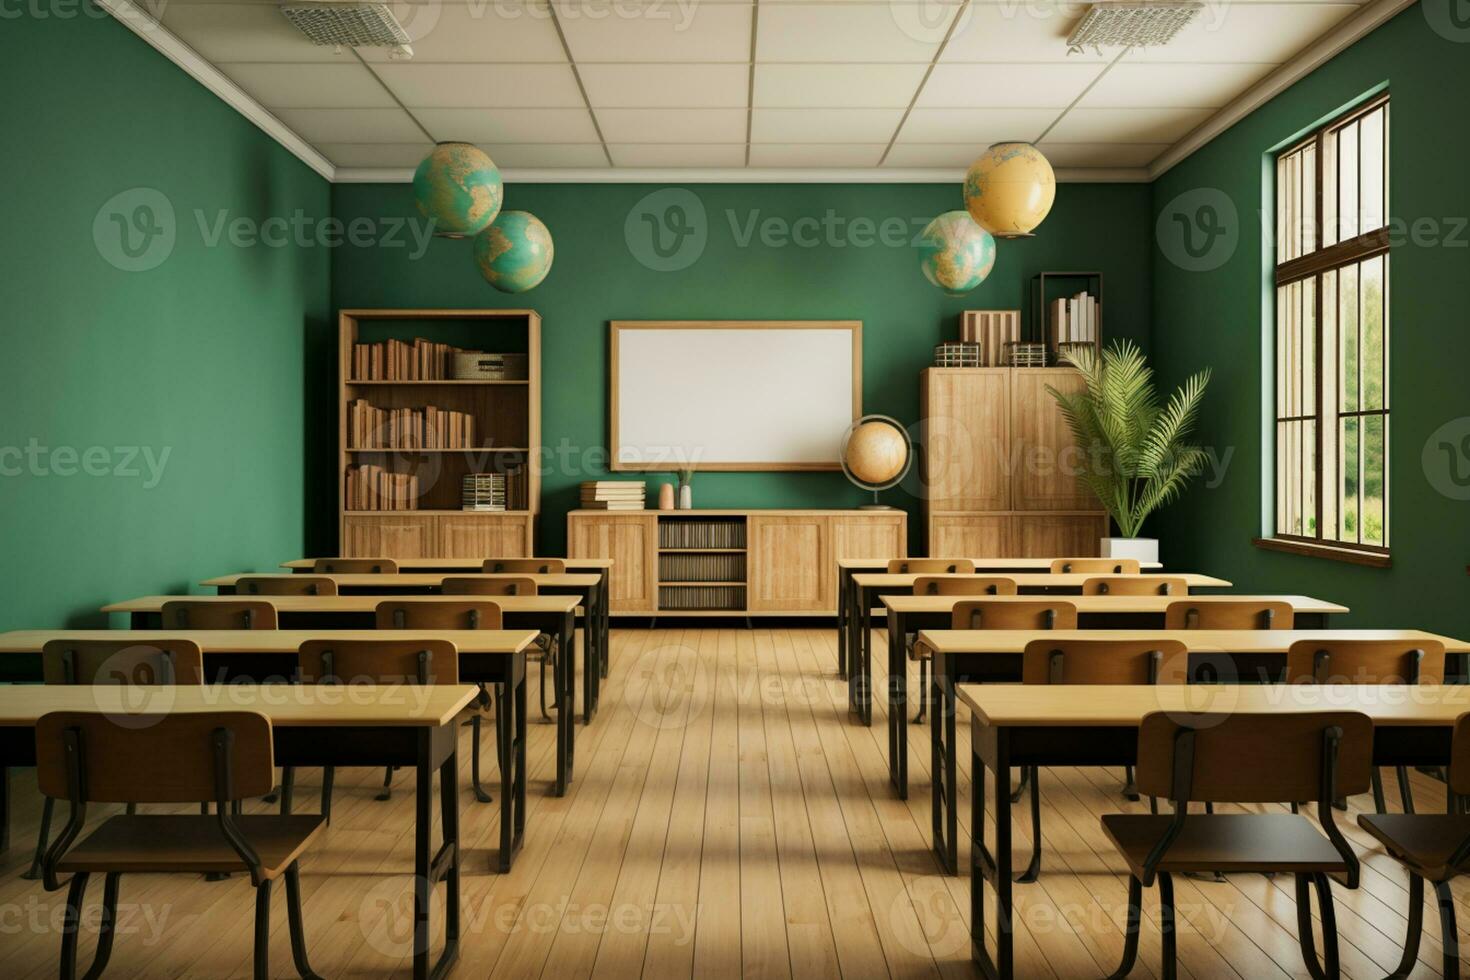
[[353, 25], [1131, 25]]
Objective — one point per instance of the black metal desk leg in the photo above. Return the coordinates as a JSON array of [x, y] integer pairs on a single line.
[[430, 868], [994, 869], [4, 808], [506, 726], [589, 663], [898, 699], [519, 756], [565, 709], [449, 822], [865, 658], [944, 768], [842, 628]]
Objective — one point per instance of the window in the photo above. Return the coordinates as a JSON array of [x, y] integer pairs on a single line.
[[1331, 401]]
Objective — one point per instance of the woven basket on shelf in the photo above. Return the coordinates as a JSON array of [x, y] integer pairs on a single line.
[[1023, 353]]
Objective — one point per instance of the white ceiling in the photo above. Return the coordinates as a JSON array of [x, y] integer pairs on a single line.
[[675, 85]]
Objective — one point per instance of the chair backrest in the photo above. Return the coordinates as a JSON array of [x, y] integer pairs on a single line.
[[154, 758], [989, 585], [1105, 662], [161, 661], [285, 585], [931, 566], [237, 614], [1459, 771], [1135, 585], [354, 566], [1090, 566], [469, 585], [1014, 614], [378, 662], [527, 566], [1229, 614], [1337, 661], [438, 614]]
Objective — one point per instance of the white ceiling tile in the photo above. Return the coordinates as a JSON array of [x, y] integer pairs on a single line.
[[1268, 33], [677, 155], [244, 32], [1016, 86], [821, 86], [482, 32], [309, 86], [352, 125], [687, 86], [816, 154], [1018, 31], [1101, 154], [547, 155], [396, 156], [444, 86], [851, 32], [672, 125], [509, 125], [976, 127], [1127, 125], [1147, 85], [824, 125], [655, 30], [956, 155]]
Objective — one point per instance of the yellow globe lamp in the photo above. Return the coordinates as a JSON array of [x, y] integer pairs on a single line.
[[1010, 189], [876, 454]]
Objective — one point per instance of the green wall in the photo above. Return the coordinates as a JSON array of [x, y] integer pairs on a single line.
[[757, 263], [1214, 317], [198, 360]]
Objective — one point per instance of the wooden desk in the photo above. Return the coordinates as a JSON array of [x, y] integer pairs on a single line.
[[963, 657], [848, 567], [908, 614], [869, 587], [1016, 726], [312, 725]]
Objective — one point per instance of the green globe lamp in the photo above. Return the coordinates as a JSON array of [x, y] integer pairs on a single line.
[[514, 254], [955, 253], [876, 454], [458, 187], [1010, 189]]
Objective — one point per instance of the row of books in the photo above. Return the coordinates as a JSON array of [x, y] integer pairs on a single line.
[[1074, 319], [398, 360], [701, 568], [702, 597], [372, 487], [701, 533], [370, 427], [613, 495]]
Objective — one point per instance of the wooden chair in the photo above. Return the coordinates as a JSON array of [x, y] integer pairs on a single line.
[[225, 756], [546, 645], [354, 566], [1243, 758], [438, 614], [239, 614], [112, 662], [1014, 614], [1094, 662], [285, 585], [926, 585], [370, 661], [1135, 585], [1099, 566], [931, 566], [1229, 614], [1433, 847], [530, 566], [1339, 661]]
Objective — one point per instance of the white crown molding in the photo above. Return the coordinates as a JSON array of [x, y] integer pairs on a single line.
[[741, 175], [147, 27], [1318, 53]]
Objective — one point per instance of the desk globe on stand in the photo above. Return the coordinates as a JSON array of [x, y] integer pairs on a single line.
[[876, 454]]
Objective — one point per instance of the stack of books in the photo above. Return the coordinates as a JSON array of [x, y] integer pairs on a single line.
[[612, 495], [484, 491], [396, 360], [1074, 319], [376, 488], [370, 427]]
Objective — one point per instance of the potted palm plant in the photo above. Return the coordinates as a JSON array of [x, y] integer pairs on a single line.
[[1137, 450]]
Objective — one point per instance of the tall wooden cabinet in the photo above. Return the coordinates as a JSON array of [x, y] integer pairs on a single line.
[[1001, 472]]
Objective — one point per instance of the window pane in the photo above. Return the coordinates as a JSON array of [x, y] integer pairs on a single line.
[[1347, 329], [1282, 329], [1375, 460], [1281, 253], [1371, 192], [1371, 319], [1308, 293], [1309, 479], [1309, 198], [1347, 181], [1329, 401], [1329, 190], [1348, 482]]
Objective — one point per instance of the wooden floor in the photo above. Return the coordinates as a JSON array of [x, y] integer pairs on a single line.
[[728, 819]]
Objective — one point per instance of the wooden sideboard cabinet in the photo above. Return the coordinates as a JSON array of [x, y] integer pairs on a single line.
[[724, 562]]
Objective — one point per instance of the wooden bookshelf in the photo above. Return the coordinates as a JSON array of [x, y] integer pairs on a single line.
[[426, 519]]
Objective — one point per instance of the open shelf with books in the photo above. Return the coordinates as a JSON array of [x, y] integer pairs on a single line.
[[440, 423], [1066, 312]]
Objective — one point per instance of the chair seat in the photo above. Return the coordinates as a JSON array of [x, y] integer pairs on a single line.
[[1423, 841], [1242, 842], [191, 843]]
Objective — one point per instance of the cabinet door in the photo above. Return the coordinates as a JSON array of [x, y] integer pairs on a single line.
[[1058, 535], [1048, 466], [484, 536], [389, 537], [965, 438], [790, 564], [631, 541], [970, 536], [870, 536]]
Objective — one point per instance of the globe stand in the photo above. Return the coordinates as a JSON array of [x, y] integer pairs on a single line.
[[875, 505]]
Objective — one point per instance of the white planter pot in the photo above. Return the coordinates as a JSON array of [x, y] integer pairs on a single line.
[[686, 497], [1144, 549]]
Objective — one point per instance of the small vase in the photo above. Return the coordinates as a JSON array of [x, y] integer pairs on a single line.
[[666, 497], [686, 497]]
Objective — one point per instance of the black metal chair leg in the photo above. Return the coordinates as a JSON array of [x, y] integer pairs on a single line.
[[1406, 792], [545, 718], [288, 789], [48, 807], [1021, 786], [1130, 935], [480, 793], [1166, 927], [1130, 789], [1449, 936], [1328, 914], [107, 927], [263, 930], [1415, 931], [923, 691], [386, 793], [72, 926], [293, 919], [1379, 806], [1034, 868], [1304, 936], [329, 778]]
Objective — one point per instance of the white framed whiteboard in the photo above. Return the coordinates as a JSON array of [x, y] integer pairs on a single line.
[[733, 394]]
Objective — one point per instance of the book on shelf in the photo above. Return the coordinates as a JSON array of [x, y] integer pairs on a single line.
[[1074, 319], [613, 495], [370, 427], [398, 360], [371, 487]]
